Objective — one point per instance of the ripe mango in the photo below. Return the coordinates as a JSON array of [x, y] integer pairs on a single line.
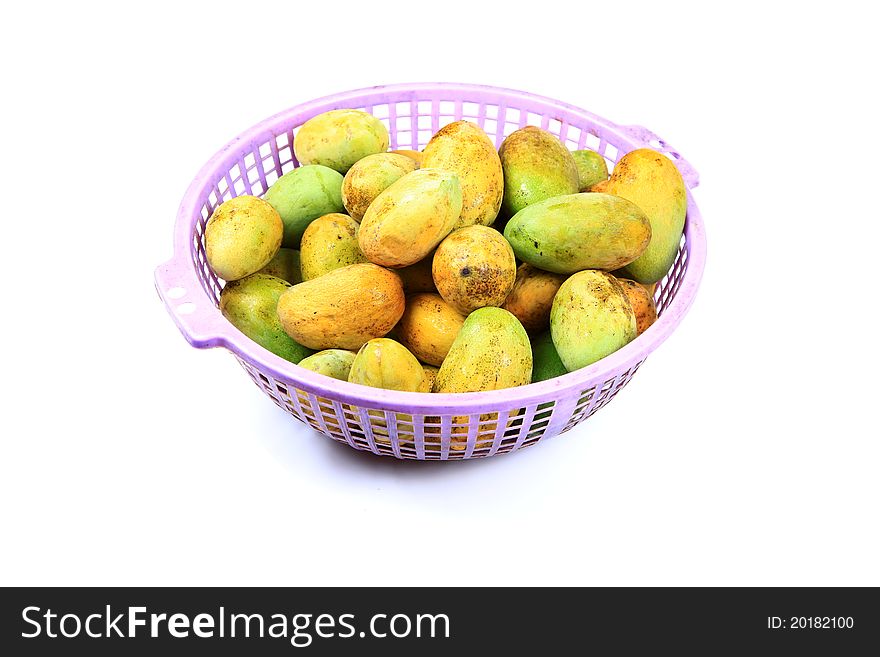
[[416, 156], [591, 318], [371, 176], [651, 181], [536, 167], [642, 303], [330, 242], [418, 277], [566, 234], [339, 138], [465, 150], [410, 218], [344, 308], [601, 187], [249, 304], [384, 363], [302, 195], [474, 267], [532, 296], [428, 327], [430, 377], [241, 237]]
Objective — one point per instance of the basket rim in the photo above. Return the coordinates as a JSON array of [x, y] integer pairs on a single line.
[[208, 328]]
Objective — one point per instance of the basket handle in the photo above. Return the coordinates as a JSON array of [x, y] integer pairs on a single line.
[[650, 140], [192, 310]]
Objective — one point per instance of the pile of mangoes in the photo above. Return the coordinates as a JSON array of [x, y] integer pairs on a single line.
[[456, 269]]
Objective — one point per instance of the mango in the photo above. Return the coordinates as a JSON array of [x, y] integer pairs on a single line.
[[344, 308], [465, 150], [249, 305], [591, 318], [430, 377], [303, 195], [566, 234], [652, 182], [335, 363], [591, 167], [416, 156], [601, 187], [490, 352], [384, 363], [371, 176], [642, 303], [474, 267], [285, 265], [428, 327], [339, 138], [241, 237], [410, 218], [418, 277], [329, 242], [536, 167], [532, 296], [547, 363]]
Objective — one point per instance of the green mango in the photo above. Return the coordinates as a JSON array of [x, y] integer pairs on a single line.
[[490, 352], [250, 306], [302, 195], [335, 363], [591, 168], [384, 363], [652, 181], [536, 167], [547, 364], [591, 317], [566, 234]]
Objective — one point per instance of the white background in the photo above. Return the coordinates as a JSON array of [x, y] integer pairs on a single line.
[[744, 452]]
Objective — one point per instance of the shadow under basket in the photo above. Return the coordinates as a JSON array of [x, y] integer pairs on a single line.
[[423, 426]]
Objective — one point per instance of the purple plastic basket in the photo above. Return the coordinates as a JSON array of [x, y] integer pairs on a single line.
[[424, 426]]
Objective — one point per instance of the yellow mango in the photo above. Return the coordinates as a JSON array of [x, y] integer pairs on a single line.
[[652, 181], [330, 242], [474, 267], [416, 156], [532, 296], [428, 327], [642, 304], [410, 218], [465, 150], [242, 236], [371, 176], [339, 138], [344, 308]]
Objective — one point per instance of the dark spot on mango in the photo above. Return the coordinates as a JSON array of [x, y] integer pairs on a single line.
[[465, 271]]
